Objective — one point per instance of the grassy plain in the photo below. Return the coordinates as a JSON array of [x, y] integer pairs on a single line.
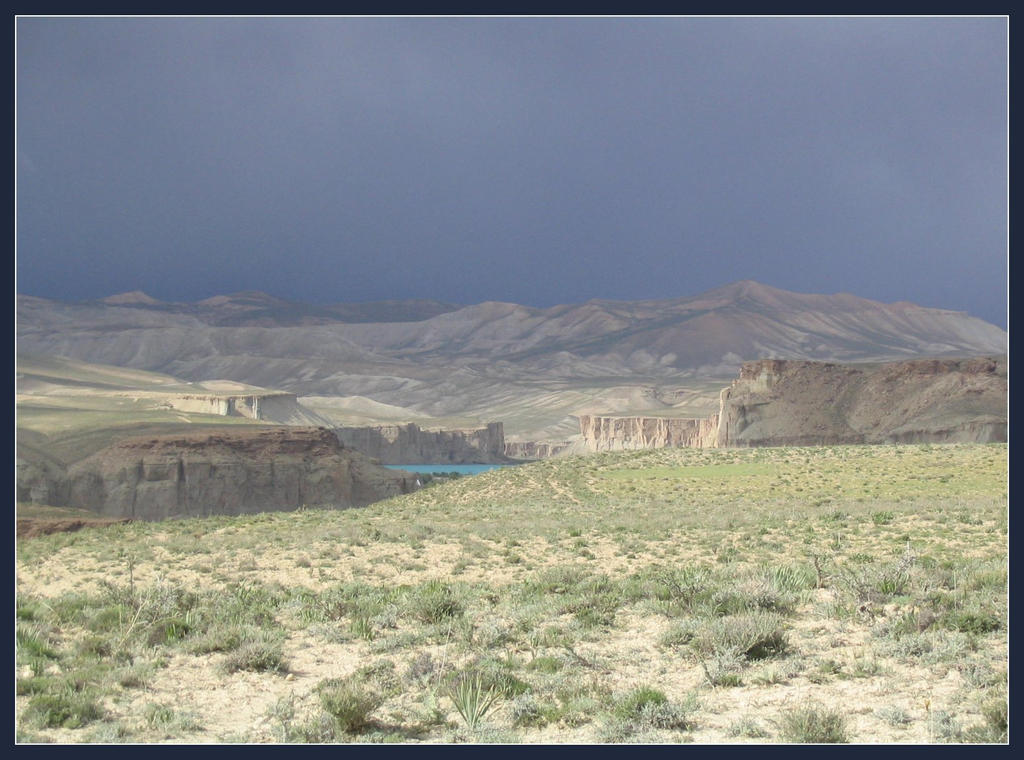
[[851, 594]]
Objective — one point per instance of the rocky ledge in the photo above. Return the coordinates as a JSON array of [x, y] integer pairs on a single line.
[[221, 473], [410, 444], [780, 402]]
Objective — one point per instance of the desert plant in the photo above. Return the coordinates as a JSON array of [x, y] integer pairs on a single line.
[[813, 725], [65, 708], [755, 636], [894, 716], [471, 698], [260, 652], [436, 602], [349, 703], [747, 727]]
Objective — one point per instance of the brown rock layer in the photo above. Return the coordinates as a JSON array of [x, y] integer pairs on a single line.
[[224, 473], [777, 402], [798, 403], [409, 444]]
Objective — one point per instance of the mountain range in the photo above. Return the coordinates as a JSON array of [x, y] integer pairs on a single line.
[[533, 368]]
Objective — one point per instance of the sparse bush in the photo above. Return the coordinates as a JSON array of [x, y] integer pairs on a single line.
[[65, 708], [436, 602], [679, 633], [349, 703], [630, 706], [422, 668], [813, 725], [997, 722], [894, 716], [748, 728], [260, 653], [755, 636], [944, 727], [31, 643], [545, 664], [971, 621], [723, 668], [526, 710], [645, 709]]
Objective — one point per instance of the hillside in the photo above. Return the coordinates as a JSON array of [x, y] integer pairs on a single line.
[[668, 596], [532, 368], [68, 409]]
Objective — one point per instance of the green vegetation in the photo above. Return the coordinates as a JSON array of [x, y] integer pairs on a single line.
[[645, 604]]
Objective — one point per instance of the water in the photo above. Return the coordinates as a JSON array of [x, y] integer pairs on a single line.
[[462, 469]]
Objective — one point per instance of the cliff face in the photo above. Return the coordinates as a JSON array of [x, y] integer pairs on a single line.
[[535, 449], [777, 402], [781, 402], [223, 473], [619, 433], [409, 444], [282, 408]]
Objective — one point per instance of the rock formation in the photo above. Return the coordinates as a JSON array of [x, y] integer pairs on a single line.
[[269, 406], [409, 444], [618, 433], [797, 403], [231, 472], [535, 449], [777, 402]]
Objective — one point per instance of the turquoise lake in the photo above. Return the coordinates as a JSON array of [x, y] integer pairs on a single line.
[[462, 469]]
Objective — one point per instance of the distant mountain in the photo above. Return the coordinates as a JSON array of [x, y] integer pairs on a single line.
[[252, 308], [531, 367]]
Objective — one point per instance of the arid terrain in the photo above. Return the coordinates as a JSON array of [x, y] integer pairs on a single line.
[[852, 593], [535, 370], [714, 586]]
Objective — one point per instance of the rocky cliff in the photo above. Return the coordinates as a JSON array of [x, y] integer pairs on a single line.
[[223, 473], [777, 402], [619, 433], [536, 449], [266, 406], [784, 402], [409, 444]]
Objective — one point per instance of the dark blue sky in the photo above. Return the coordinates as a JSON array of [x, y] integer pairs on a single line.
[[539, 161]]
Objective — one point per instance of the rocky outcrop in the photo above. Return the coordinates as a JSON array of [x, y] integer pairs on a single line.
[[221, 473], [267, 406], [796, 403], [535, 449], [409, 444], [621, 433], [777, 402]]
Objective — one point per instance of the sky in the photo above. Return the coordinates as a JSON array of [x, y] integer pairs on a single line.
[[532, 160]]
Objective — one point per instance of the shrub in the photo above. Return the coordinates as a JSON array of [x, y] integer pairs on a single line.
[[348, 703], [645, 709], [813, 725], [747, 727], [894, 716], [630, 706], [755, 636], [545, 664], [436, 602], [31, 643], [67, 709], [971, 622], [260, 653], [526, 710]]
